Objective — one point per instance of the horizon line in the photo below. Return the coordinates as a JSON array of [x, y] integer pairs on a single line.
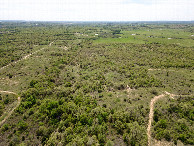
[[99, 20]]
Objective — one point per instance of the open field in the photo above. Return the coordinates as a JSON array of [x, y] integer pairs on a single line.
[[96, 83]]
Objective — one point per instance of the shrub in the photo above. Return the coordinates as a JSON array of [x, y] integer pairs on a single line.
[[22, 125], [5, 127]]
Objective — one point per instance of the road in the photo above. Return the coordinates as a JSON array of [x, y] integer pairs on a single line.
[[151, 113]]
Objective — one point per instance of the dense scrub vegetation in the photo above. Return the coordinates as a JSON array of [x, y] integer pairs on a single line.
[[93, 85], [175, 120]]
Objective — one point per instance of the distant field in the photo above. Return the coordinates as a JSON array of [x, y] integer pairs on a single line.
[[160, 36]]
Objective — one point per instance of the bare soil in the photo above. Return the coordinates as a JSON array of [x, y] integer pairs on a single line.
[[151, 114]]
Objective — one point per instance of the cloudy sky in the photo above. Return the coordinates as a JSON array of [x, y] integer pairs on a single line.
[[97, 10]]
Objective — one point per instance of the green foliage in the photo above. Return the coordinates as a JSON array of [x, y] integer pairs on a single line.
[[86, 89], [175, 127], [109, 143], [6, 100], [135, 134], [116, 32], [33, 83], [22, 126], [5, 127]]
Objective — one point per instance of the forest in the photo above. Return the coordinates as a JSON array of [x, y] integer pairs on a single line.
[[92, 83]]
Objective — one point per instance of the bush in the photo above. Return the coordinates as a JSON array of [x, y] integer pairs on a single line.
[[68, 84], [5, 127], [154, 92], [33, 83], [10, 75], [6, 101], [22, 125]]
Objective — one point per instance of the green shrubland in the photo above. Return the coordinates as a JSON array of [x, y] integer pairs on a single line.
[[87, 89]]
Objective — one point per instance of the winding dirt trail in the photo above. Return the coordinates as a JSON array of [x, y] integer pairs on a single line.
[[9, 114], [25, 57], [9, 92], [151, 114]]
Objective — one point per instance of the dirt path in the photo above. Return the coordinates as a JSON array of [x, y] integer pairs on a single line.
[[9, 92], [151, 114], [25, 57], [9, 114], [154, 69]]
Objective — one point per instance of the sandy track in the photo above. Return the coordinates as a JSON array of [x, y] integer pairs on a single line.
[[9, 114], [9, 92], [25, 57], [154, 69], [151, 114]]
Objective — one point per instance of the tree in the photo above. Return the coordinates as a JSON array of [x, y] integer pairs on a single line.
[[117, 31]]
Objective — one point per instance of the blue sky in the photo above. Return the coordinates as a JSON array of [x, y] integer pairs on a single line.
[[97, 10]]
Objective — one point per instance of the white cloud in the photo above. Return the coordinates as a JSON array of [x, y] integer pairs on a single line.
[[97, 10]]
